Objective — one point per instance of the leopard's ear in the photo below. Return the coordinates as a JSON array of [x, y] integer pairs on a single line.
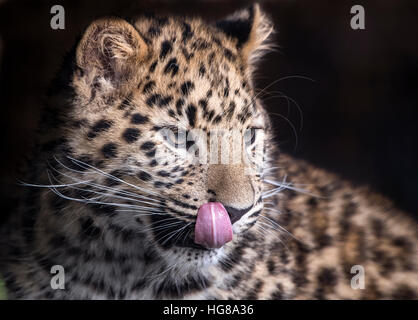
[[110, 49], [250, 28]]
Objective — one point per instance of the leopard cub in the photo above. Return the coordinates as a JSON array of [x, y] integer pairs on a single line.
[[120, 193]]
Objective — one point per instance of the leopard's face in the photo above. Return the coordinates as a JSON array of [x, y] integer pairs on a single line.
[[166, 128]]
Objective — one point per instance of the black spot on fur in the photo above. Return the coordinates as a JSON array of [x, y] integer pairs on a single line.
[[151, 154], [230, 110], [163, 173], [226, 92], [144, 176], [125, 103], [166, 48], [131, 135], [324, 240], [172, 114], [271, 266], [187, 32], [165, 101], [203, 104], [179, 105], [148, 145], [100, 126], [202, 70], [327, 277], [159, 184], [229, 55], [152, 67], [176, 168], [89, 229], [403, 243], [137, 118], [109, 150], [172, 67], [148, 87], [210, 115], [217, 119], [187, 55], [158, 99], [186, 87], [152, 100], [312, 202], [191, 114]]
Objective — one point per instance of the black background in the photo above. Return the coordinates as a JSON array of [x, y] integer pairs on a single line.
[[359, 112]]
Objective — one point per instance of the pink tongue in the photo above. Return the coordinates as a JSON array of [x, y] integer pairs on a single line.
[[213, 226]]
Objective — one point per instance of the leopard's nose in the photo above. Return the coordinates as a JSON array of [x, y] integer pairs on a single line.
[[236, 214]]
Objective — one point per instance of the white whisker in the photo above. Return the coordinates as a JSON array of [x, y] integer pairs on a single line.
[[112, 177]]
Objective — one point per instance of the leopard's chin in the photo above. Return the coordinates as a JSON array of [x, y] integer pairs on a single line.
[[189, 243]]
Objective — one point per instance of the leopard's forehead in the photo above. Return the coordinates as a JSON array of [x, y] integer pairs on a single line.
[[194, 76]]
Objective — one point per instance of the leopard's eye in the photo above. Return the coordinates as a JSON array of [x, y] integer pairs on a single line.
[[176, 138], [171, 135], [250, 135]]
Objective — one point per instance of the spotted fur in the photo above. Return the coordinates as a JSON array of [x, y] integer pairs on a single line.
[[120, 220]]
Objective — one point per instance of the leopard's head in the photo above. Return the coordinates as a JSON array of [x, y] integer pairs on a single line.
[[166, 130]]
